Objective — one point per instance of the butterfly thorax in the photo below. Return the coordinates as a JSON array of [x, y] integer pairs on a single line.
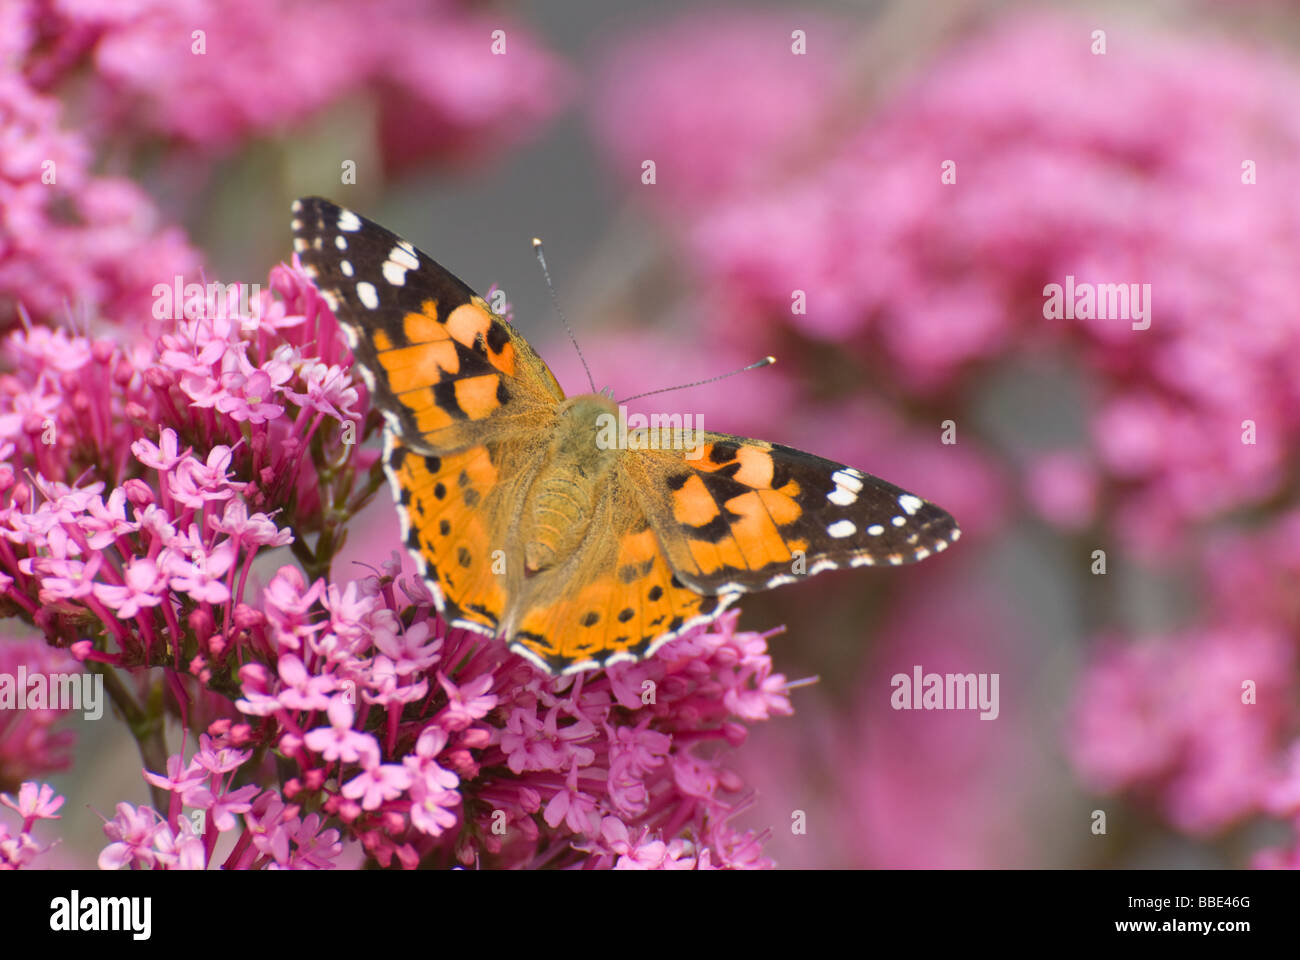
[[559, 505]]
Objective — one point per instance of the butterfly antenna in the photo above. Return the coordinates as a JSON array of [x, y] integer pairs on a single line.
[[765, 362], [541, 258]]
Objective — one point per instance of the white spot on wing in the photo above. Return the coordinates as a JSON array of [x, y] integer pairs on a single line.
[[349, 221], [346, 267], [394, 273], [367, 294], [341, 242], [403, 257], [847, 487], [841, 529], [848, 478], [875, 529], [910, 504]]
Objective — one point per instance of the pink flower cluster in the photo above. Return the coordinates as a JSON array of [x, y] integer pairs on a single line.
[[68, 237], [1202, 723], [120, 526], [435, 747], [141, 482], [205, 77], [213, 74]]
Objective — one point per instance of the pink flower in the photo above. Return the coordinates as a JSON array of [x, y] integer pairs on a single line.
[[314, 848], [329, 391], [465, 704], [219, 758], [200, 576], [1063, 488], [657, 855], [301, 690], [188, 782], [339, 741], [165, 455], [377, 783], [132, 834], [227, 805], [268, 824], [408, 650], [36, 801], [182, 850], [763, 97], [144, 587]]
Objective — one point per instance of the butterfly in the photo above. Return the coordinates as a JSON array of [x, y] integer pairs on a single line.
[[579, 553]]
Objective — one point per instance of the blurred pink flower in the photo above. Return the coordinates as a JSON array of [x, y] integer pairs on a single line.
[[32, 741], [1062, 487], [879, 787], [214, 74], [69, 238], [717, 99], [1194, 721]]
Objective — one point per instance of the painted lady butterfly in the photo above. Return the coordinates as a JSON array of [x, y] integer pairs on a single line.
[[578, 553]]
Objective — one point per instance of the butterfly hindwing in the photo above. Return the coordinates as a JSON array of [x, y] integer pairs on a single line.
[[616, 599], [446, 371], [746, 515]]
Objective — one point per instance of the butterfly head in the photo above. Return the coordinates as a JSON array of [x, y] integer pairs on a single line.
[[588, 429]]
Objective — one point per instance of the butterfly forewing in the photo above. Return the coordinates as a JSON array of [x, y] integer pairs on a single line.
[[444, 369], [744, 515]]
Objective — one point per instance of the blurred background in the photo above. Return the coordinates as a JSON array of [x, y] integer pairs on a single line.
[[920, 172]]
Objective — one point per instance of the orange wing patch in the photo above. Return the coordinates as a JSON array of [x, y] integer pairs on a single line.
[[440, 500], [729, 514], [625, 614]]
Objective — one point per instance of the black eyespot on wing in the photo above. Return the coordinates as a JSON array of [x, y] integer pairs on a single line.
[[723, 451]]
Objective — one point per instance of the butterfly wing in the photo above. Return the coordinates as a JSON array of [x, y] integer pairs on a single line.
[[746, 515], [457, 510], [466, 401], [614, 599], [446, 371]]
